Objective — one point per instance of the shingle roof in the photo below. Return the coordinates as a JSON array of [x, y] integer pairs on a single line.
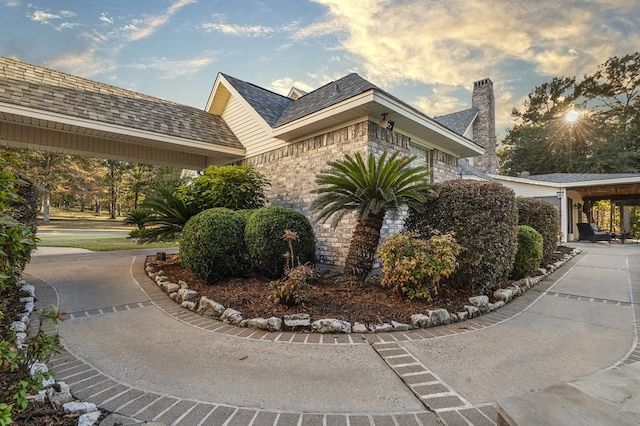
[[48, 90], [464, 168], [459, 121], [580, 177], [268, 104], [332, 93]]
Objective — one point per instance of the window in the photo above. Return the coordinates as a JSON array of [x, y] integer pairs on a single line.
[[423, 156]]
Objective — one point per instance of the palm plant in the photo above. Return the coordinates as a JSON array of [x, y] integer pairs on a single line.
[[137, 217], [169, 214], [370, 189]]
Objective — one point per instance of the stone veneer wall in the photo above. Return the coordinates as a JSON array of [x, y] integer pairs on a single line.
[[292, 171]]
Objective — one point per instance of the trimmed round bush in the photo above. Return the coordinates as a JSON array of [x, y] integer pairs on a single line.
[[212, 244], [483, 218], [246, 213], [529, 254], [543, 217], [265, 246]]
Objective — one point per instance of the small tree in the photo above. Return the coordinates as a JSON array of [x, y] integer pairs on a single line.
[[370, 189], [232, 187]]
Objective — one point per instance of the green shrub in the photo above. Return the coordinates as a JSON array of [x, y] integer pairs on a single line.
[[246, 213], [265, 245], [543, 217], [529, 254], [415, 266], [484, 217], [233, 187], [212, 244], [25, 211], [293, 289]]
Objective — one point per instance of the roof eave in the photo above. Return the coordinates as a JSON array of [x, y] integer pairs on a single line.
[[373, 104], [191, 145]]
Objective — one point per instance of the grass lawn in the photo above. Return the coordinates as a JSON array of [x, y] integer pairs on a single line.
[[87, 231]]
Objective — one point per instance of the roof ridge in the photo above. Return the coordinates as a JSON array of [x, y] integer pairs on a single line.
[[227, 76]]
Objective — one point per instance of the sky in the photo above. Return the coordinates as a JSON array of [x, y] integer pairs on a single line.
[[426, 52]]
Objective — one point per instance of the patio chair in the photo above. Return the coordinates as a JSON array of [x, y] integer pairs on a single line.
[[589, 232]]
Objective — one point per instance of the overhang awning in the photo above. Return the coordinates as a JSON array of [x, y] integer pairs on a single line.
[[46, 109]]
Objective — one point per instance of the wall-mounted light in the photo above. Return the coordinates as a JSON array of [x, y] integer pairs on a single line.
[[560, 193], [385, 123]]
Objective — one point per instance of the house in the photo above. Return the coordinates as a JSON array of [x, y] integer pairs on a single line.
[[287, 138], [291, 139]]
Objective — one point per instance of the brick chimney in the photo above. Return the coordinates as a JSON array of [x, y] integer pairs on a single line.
[[484, 128]]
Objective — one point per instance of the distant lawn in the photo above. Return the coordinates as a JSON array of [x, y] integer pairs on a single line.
[[87, 231]]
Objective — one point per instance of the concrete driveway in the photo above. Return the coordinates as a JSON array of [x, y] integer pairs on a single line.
[[135, 352]]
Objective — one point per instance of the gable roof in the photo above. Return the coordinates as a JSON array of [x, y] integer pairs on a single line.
[[344, 100], [43, 89], [268, 104], [327, 95], [459, 121]]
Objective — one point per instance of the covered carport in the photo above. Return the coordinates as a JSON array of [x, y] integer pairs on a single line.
[[46, 109], [575, 194]]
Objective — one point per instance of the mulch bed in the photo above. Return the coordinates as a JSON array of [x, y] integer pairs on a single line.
[[329, 296]]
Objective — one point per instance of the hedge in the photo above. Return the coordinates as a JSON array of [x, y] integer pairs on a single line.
[[543, 217], [529, 254]]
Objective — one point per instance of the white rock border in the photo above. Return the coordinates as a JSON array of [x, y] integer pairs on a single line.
[[57, 393], [478, 305]]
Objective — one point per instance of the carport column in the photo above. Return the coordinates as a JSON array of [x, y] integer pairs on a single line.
[[563, 212]]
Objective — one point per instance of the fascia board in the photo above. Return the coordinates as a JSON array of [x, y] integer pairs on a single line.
[[599, 182], [116, 129], [424, 121]]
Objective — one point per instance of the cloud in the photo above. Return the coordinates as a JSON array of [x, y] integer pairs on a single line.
[[237, 30], [170, 68], [141, 28], [53, 19], [87, 63], [104, 17], [284, 85], [12, 3]]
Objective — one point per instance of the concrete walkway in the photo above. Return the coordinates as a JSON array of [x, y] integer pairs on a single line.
[[136, 353]]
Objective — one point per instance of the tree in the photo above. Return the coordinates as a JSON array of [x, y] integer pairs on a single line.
[[233, 187], [370, 190], [605, 138], [114, 179]]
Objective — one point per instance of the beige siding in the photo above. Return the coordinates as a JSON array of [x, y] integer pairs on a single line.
[[530, 190], [249, 129], [35, 138]]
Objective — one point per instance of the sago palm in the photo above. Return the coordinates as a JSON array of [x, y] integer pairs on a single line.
[[370, 189], [169, 214]]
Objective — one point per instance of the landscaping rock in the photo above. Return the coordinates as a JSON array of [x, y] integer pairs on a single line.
[[463, 315], [359, 328], [271, 324], [79, 407], [231, 316], [480, 302], [61, 395], [472, 310], [28, 307], [29, 289], [210, 308], [18, 326], [398, 326], [421, 320], [331, 326], [297, 320], [189, 305], [89, 419], [503, 294], [186, 295], [383, 328], [182, 284], [439, 316], [41, 367], [172, 288]]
